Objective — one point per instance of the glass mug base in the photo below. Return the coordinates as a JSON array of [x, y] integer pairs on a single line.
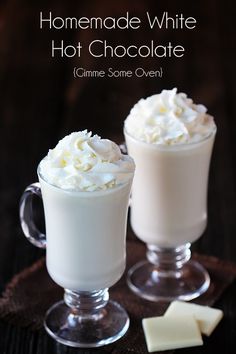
[[74, 328], [162, 281]]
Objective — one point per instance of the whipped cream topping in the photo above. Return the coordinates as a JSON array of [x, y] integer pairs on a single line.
[[84, 162], [169, 118]]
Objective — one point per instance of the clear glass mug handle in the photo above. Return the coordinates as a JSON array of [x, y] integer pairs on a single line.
[[28, 226], [124, 150]]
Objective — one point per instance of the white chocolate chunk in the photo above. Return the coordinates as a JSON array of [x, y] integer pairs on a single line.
[[163, 333], [207, 317]]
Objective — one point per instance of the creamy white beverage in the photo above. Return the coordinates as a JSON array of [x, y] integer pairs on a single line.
[[171, 140], [85, 183]]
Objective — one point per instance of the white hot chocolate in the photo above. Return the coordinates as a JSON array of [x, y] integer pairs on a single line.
[[85, 183], [171, 140]]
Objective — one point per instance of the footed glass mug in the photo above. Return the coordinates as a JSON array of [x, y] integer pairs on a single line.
[[168, 213], [85, 254]]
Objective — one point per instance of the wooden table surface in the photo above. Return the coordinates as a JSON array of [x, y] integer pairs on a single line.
[[40, 102]]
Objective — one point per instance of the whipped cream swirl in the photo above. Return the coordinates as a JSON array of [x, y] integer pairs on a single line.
[[169, 118], [84, 162]]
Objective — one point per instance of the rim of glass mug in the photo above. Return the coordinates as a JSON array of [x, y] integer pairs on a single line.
[[173, 147], [90, 193]]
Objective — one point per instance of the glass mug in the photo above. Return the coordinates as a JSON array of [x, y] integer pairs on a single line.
[[168, 213], [85, 245]]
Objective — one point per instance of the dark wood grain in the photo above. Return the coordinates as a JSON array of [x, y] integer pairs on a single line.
[[40, 102]]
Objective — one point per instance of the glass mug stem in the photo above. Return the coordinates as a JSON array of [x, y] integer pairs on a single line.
[[168, 259], [85, 300]]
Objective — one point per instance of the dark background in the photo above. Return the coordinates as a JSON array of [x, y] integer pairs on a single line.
[[40, 102]]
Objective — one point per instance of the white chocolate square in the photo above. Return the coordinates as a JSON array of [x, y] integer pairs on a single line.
[[207, 317], [163, 333]]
